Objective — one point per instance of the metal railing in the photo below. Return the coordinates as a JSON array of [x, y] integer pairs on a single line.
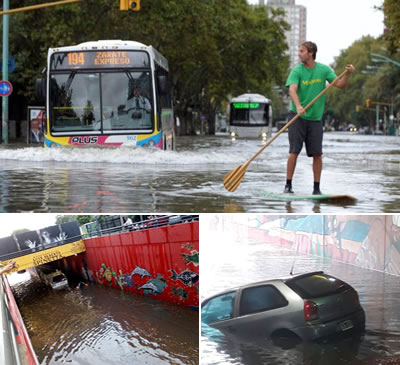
[[9, 350], [158, 221], [41, 247]]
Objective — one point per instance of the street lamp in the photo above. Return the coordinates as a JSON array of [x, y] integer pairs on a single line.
[[381, 58], [376, 57]]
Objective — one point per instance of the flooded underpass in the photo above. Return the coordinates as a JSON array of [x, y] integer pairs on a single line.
[[101, 325], [230, 259]]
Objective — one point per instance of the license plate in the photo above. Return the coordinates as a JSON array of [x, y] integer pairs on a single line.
[[346, 325]]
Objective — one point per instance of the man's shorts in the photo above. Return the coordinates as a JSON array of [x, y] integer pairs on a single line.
[[305, 131]]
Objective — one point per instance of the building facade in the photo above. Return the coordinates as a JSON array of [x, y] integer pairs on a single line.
[[296, 16]]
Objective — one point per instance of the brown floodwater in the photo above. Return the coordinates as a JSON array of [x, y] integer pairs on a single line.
[[190, 178], [101, 325]]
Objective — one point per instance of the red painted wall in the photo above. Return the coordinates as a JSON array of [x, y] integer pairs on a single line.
[[117, 259]]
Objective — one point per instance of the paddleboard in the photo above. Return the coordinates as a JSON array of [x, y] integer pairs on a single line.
[[327, 198]]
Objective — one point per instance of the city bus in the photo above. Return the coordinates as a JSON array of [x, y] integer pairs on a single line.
[[250, 116], [107, 93]]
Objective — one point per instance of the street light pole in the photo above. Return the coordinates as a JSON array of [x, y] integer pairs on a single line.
[[381, 58], [6, 10], [6, 6]]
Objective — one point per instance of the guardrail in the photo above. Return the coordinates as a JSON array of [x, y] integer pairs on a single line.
[[15, 344], [159, 221]]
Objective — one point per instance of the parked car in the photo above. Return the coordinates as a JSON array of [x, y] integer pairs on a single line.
[[306, 307]]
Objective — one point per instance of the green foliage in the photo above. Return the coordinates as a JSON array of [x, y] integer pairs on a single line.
[[83, 219], [391, 10], [60, 219], [214, 48], [379, 85]]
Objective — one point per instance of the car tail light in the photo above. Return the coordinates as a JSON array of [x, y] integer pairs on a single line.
[[310, 310], [356, 298]]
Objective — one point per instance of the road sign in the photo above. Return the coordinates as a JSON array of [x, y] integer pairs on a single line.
[[5, 88]]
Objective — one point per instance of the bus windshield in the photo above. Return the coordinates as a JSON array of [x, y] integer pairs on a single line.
[[107, 102], [246, 114]]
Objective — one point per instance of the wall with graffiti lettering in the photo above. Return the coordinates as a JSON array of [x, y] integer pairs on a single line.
[[370, 241], [159, 262]]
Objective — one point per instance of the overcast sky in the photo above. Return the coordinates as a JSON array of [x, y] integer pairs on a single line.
[[335, 24], [9, 222]]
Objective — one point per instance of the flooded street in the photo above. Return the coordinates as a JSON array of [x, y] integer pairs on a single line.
[[190, 178], [229, 260], [99, 325]]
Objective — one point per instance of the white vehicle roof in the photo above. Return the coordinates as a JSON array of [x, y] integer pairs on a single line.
[[252, 98], [113, 45]]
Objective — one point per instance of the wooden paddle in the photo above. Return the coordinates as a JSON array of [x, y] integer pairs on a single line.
[[233, 178]]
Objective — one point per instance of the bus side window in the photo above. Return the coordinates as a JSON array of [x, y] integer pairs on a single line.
[[163, 89]]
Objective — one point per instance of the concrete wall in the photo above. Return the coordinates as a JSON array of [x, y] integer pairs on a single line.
[[369, 241], [159, 262]]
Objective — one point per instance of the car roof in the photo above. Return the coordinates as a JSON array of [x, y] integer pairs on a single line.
[[270, 281], [55, 273]]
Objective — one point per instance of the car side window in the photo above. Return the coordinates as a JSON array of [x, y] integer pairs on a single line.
[[261, 298], [218, 308]]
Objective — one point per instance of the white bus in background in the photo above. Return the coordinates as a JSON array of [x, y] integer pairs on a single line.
[[250, 117]]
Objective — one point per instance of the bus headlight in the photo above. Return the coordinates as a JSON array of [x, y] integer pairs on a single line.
[[233, 134], [264, 135]]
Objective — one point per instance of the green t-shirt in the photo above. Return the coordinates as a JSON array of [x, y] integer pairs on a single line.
[[310, 82]]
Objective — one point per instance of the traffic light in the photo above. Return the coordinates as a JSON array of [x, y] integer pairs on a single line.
[[129, 5], [123, 4], [358, 108], [134, 5], [368, 103]]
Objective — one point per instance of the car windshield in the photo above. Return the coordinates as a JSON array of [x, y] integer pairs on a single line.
[[218, 308], [249, 113], [316, 285], [58, 278]]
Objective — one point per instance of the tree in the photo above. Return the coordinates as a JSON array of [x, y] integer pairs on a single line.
[[391, 11], [83, 219], [214, 48], [60, 219], [361, 86]]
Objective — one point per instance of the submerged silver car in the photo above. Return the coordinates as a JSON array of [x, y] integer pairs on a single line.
[[56, 279], [307, 307]]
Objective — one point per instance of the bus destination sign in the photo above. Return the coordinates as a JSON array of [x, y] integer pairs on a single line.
[[246, 105], [99, 59]]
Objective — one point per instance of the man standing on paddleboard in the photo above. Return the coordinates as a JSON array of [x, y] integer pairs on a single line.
[[305, 82]]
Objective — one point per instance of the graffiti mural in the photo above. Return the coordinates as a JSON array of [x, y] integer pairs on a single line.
[[161, 262], [140, 271], [154, 286], [25, 243], [192, 257], [187, 277], [371, 241]]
